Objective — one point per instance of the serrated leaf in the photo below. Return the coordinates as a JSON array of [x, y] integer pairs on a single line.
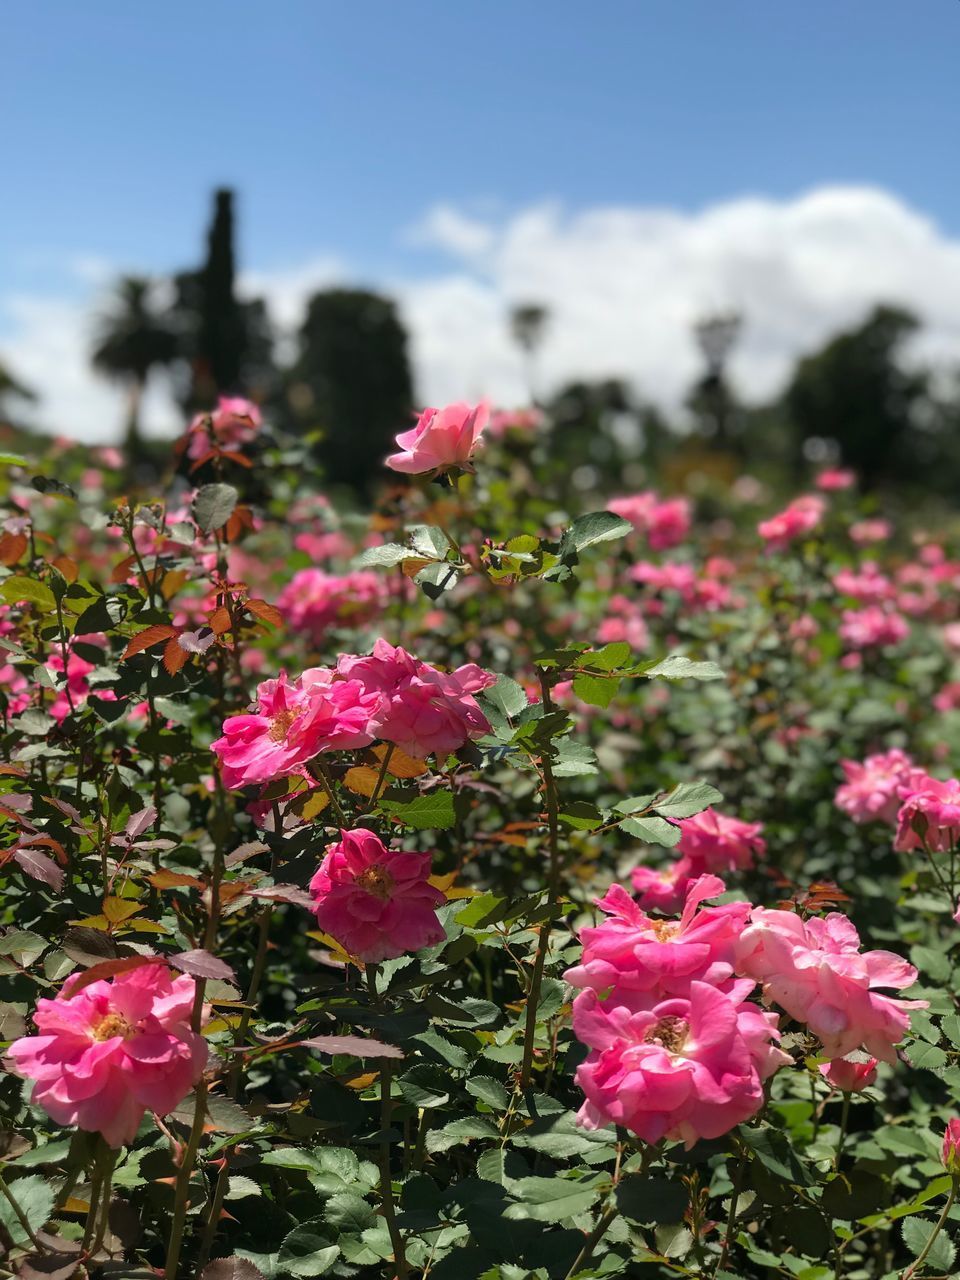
[[686, 799], [678, 667], [432, 811]]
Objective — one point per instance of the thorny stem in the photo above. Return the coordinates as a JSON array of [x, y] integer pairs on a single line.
[[384, 765], [109, 1161], [844, 1117], [323, 777], [732, 1215], [606, 1219], [386, 1181], [553, 885]]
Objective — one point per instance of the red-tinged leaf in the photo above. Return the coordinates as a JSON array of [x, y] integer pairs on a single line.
[[147, 638], [174, 657], [265, 612], [110, 969], [236, 457], [50, 843], [231, 1269], [139, 822], [12, 547], [39, 866], [204, 457], [47, 1266], [284, 893], [359, 1046], [219, 621], [66, 809], [164, 879], [66, 567], [14, 770], [201, 964], [123, 570]]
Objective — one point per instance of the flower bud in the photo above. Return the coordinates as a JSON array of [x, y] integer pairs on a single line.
[[951, 1147], [851, 1074]]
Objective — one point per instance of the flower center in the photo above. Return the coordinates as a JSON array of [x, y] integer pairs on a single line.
[[281, 722], [377, 880], [670, 1032], [113, 1024], [664, 929]]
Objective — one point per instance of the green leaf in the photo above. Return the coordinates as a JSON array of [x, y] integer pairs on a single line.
[[507, 696], [649, 1201], [34, 1195], [433, 810], [772, 1148], [595, 526], [653, 830], [458, 1131], [307, 1250], [916, 1233], [12, 460], [581, 815], [424, 1086], [214, 505], [389, 555], [597, 691], [349, 1213], [429, 541], [435, 579], [554, 1199], [687, 799], [490, 1091], [19, 588], [677, 667]]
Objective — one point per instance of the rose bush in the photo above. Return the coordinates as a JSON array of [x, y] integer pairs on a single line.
[[519, 881]]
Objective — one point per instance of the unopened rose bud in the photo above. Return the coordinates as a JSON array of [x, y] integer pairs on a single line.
[[850, 1075], [951, 1147]]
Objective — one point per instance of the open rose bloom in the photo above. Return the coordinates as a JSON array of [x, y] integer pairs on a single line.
[[376, 902], [442, 440], [871, 792], [104, 1057]]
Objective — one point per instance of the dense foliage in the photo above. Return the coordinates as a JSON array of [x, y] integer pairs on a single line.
[[514, 882]]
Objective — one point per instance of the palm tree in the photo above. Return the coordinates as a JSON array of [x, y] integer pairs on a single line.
[[133, 339]]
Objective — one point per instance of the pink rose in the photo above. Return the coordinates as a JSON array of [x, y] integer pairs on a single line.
[[714, 842], [801, 516], [835, 478], [313, 602], [376, 902], [665, 523], [872, 627], [871, 792], [929, 816], [686, 1067], [441, 440], [112, 1052], [850, 1075]]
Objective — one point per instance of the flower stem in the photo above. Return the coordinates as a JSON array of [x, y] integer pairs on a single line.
[[732, 1215], [182, 1191], [553, 886]]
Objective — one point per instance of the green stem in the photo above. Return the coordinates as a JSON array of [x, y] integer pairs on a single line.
[[844, 1117], [386, 1182], [553, 886], [732, 1215], [182, 1191], [19, 1214], [921, 1257], [109, 1161]]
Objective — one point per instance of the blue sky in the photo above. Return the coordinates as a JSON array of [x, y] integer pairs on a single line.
[[341, 122], [629, 162]]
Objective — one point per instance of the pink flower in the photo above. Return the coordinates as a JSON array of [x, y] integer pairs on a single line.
[[801, 516], [113, 1051], [714, 842], [313, 602], [951, 1147], [868, 585], [685, 1068], [948, 699], [376, 902], [234, 423], [815, 971], [872, 627], [441, 440], [662, 889], [929, 816], [423, 710], [635, 952], [850, 1075], [864, 531], [664, 522], [294, 721], [835, 478], [514, 421], [871, 792]]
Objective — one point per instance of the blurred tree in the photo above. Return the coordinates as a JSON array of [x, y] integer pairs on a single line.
[[226, 344], [11, 389], [856, 392], [711, 398], [528, 323], [133, 338], [351, 379]]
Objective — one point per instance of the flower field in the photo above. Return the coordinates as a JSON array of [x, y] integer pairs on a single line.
[[513, 880]]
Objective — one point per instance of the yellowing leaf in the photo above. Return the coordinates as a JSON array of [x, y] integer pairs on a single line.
[[361, 780], [118, 909]]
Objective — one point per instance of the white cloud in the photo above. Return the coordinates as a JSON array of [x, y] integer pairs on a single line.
[[623, 285]]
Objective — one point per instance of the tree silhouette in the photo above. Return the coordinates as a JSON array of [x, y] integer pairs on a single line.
[[12, 388], [351, 379], [711, 398], [856, 392], [133, 338], [528, 322]]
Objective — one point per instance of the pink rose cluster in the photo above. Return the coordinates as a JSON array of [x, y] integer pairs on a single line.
[[665, 522], [871, 792], [800, 517], [873, 627], [889, 787], [233, 424], [704, 592], [442, 440], [313, 602], [377, 903], [710, 843], [109, 1053], [676, 1048], [389, 695]]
